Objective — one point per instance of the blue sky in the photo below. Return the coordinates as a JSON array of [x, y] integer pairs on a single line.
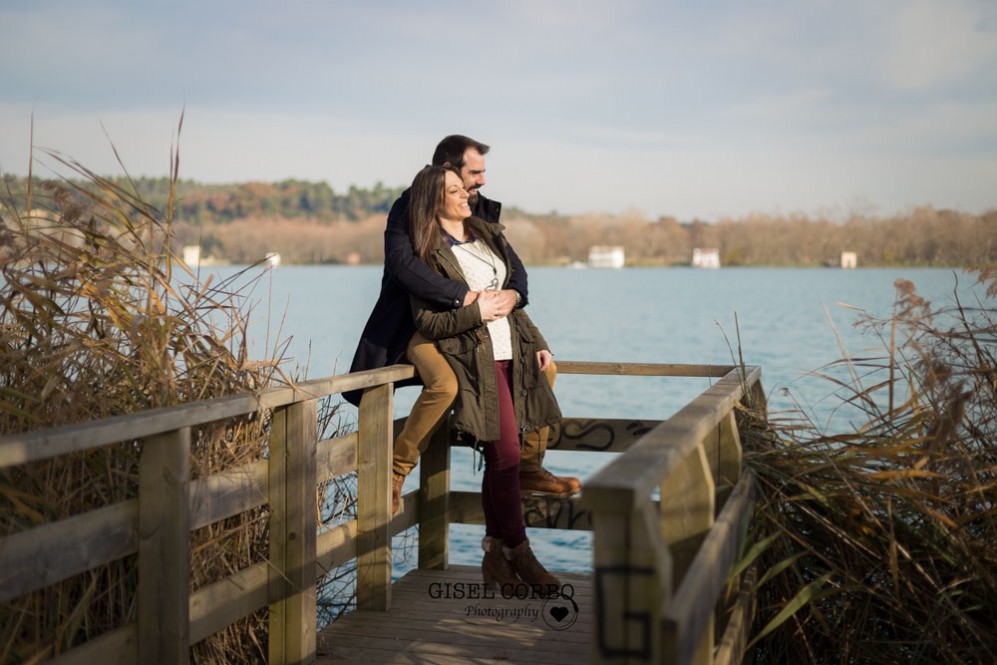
[[690, 109]]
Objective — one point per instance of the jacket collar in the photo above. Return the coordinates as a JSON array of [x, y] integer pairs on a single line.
[[486, 209], [488, 232], [481, 228]]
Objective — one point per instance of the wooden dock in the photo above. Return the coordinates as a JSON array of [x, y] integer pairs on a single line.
[[428, 623], [668, 515]]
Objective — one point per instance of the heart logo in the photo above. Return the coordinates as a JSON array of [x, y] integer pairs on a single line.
[[559, 613]]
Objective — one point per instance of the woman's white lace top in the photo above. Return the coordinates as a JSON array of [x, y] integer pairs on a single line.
[[484, 270]]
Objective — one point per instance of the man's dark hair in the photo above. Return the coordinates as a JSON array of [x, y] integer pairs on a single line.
[[451, 150]]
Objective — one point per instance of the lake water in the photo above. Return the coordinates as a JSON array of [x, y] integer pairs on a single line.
[[791, 321]]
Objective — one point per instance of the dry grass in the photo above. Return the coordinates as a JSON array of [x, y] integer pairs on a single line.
[[879, 545], [94, 323]]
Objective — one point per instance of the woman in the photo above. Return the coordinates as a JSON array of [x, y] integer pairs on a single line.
[[499, 365]]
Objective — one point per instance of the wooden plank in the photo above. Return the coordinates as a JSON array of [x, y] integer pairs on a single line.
[[539, 512], [226, 601], [115, 646], [465, 508], [164, 549], [432, 626], [692, 608], [434, 496], [641, 369], [336, 546], [374, 499], [277, 478], [237, 490], [293, 515], [332, 385], [223, 603], [55, 441], [630, 479], [611, 435], [44, 555], [429, 627], [687, 509], [418, 610], [51, 442], [608, 435], [756, 395], [728, 466], [372, 645], [228, 493], [687, 514], [730, 650], [632, 573], [336, 457]]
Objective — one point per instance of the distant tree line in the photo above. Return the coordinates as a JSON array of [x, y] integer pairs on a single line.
[[199, 203], [308, 222], [921, 236]]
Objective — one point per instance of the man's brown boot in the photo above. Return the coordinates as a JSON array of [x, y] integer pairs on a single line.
[[545, 482], [496, 570], [526, 566], [397, 480]]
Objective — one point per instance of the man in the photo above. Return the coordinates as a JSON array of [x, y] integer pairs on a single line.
[[390, 336]]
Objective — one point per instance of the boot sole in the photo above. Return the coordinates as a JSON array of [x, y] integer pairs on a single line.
[[548, 495]]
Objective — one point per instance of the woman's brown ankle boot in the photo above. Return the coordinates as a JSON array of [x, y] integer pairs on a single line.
[[530, 571], [496, 570]]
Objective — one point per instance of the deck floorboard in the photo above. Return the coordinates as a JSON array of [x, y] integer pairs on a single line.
[[425, 626]]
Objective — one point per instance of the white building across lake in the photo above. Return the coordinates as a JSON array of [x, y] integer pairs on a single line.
[[606, 256], [705, 257]]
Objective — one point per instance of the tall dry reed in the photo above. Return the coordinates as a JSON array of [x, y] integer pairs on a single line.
[[879, 544], [94, 323]]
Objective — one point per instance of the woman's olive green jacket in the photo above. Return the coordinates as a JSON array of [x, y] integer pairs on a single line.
[[464, 341]]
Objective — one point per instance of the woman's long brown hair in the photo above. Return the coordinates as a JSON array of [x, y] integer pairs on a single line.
[[425, 199]]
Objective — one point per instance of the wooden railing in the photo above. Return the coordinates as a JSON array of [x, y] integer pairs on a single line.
[[660, 567]]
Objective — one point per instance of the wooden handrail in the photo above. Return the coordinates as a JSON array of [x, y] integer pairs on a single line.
[[55, 441], [630, 479], [660, 567]]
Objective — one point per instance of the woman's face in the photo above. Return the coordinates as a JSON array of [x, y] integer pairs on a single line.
[[454, 207]]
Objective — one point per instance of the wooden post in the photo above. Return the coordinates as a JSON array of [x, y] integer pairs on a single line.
[[687, 513], [632, 577], [293, 516], [758, 400], [164, 549], [434, 501], [729, 462], [374, 446]]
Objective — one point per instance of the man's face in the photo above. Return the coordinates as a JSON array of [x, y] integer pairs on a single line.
[[473, 172]]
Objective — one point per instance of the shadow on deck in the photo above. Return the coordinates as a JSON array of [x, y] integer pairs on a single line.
[[441, 617]]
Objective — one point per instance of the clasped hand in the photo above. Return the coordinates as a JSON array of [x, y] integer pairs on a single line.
[[496, 304]]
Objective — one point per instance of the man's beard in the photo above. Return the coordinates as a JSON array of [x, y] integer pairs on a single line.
[[472, 197]]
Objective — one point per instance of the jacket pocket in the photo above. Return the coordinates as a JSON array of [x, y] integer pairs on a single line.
[[461, 352], [528, 348]]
